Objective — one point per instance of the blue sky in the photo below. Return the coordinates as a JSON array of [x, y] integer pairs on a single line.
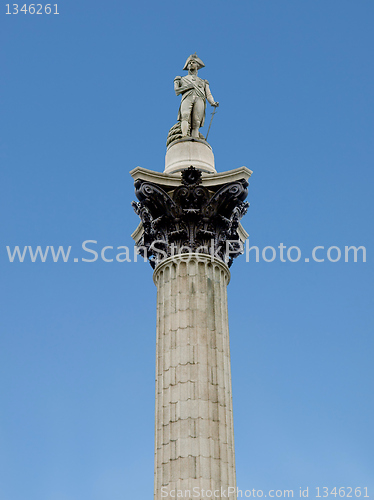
[[87, 95]]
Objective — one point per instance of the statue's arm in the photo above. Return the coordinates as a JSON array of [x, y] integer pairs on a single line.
[[177, 84], [209, 96]]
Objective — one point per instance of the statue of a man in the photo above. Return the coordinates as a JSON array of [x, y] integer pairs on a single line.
[[195, 92]]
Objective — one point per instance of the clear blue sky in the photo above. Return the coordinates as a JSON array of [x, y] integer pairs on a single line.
[[86, 96]]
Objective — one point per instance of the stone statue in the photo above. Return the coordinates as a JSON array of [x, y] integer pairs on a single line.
[[195, 92]]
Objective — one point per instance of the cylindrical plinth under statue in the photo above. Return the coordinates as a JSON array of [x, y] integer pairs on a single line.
[[194, 418], [183, 153]]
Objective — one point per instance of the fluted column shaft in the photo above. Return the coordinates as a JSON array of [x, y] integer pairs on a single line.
[[194, 435]]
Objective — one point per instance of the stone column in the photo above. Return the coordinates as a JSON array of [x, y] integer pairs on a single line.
[[194, 418], [190, 232]]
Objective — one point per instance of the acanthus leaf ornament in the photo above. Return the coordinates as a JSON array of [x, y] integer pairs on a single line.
[[190, 218]]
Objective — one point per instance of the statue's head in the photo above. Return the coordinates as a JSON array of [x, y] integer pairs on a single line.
[[193, 62]]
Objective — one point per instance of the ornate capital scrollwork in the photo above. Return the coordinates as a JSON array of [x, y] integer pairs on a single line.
[[190, 218]]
